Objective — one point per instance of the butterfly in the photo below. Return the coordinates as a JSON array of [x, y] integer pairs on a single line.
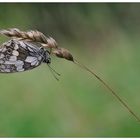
[[19, 55]]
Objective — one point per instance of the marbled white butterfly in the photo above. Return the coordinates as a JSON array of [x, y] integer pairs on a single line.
[[17, 56]]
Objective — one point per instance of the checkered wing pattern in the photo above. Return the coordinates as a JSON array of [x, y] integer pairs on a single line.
[[17, 56]]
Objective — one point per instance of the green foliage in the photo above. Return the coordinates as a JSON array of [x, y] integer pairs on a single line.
[[105, 37]]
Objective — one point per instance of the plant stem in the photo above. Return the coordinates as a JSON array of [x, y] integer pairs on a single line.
[[109, 88]]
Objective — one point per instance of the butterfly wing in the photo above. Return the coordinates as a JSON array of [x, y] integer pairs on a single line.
[[17, 56]]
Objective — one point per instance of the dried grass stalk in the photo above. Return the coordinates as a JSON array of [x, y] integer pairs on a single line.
[[34, 36]]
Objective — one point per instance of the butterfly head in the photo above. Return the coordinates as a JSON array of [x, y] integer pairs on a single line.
[[46, 57]]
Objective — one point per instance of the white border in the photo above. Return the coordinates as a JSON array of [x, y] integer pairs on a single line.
[[71, 1]]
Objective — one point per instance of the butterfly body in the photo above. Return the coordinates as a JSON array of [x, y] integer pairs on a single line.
[[17, 56]]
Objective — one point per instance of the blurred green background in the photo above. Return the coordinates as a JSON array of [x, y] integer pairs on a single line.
[[105, 37]]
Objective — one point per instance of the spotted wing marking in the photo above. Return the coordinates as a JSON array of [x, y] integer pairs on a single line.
[[17, 56]]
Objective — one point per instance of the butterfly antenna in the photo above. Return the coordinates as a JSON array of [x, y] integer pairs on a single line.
[[54, 72]]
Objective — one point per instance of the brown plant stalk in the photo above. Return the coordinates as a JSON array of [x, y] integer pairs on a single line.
[[34, 36]]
